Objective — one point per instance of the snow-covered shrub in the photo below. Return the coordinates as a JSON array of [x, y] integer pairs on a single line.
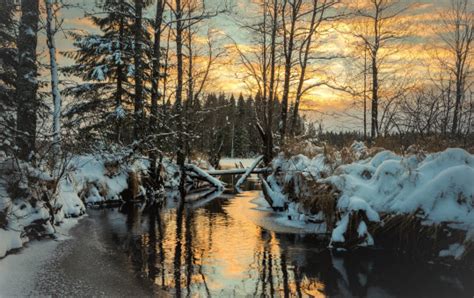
[[380, 193]]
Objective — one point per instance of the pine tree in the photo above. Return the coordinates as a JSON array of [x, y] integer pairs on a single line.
[[106, 64], [250, 110], [242, 139], [7, 75], [26, 79]]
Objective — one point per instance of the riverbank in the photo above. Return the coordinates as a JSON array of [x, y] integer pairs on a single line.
[[418, 203], [232, 246]]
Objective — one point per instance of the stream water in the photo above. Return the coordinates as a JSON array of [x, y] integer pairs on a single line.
[[231, 246]]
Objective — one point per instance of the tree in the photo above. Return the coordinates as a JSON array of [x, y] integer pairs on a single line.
[[242, 140], [384, 28], [288, 48], [156, 67], [180, 144], [26, 81], [50, 32], [318, 15], [458, 37], [139, 111], [8, 66], [105, 63]]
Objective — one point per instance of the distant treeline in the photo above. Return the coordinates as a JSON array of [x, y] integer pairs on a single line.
[[226, 125]]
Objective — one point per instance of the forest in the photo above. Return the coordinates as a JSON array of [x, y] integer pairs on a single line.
[[229, 147]]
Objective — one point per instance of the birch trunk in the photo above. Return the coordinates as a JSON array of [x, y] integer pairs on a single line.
[[50, 32]]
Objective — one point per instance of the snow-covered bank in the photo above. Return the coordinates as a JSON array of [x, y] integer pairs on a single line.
[[354, 200], [34, 203], [18, 271]]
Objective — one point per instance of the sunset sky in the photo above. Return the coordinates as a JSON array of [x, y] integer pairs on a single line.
[[323, 102]]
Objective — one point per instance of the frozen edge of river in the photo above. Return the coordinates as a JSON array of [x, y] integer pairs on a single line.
[[19, 271]]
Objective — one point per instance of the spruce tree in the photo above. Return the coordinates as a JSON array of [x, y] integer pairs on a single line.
[[241, 134], [106, 63], [7, 75], [26, 79]]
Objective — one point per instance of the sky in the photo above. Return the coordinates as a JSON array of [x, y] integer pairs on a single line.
[[321, 103]]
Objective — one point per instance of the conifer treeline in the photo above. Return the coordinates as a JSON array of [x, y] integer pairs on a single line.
[[227, 124]]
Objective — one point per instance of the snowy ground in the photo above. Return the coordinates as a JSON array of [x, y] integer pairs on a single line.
[[81, 264], [227, 162], [18, 272]]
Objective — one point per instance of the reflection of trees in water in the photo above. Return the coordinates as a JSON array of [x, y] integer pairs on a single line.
[[177, 250], [284, 264]]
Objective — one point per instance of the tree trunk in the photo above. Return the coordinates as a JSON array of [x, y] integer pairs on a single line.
[[457, 103], [365, 93], [120, 78], [288, 64], [139, 112], [27, 85], [179, 91], [155, 94], [303, 64], [271, 95], [375, 98], [155, 79], [50, 32]]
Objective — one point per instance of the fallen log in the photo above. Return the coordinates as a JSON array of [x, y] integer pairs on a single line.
[[200, 174], [247, 173], [238, 171]]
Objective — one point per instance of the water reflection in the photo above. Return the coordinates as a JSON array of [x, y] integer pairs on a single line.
[[220, 250]]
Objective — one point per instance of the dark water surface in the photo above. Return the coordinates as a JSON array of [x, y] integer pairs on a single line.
[[222, 249]]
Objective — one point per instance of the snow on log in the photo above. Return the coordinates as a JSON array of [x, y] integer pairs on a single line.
[[205, 176], [247, 173], [238, 171], [273, 195]]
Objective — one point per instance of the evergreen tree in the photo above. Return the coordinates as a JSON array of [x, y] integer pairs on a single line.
[[242, 139], [106, 63], [255, 147], [7, 75], [26, 79]]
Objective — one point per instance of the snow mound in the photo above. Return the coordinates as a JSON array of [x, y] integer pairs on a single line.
[[440, 188], [9, 240]]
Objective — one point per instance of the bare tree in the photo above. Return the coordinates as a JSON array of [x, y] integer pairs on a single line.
[[288, 48], [385, 28], [458, 23], [318, 12]]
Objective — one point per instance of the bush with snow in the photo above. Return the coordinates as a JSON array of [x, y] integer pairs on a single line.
[[438, 189]]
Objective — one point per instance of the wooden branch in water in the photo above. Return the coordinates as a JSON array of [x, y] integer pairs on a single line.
[[247, 173], [239, 171], [265, 189], [203, 175]]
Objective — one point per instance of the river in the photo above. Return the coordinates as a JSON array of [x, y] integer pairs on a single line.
[[231, 246]]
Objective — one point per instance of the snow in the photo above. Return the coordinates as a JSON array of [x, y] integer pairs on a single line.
[[341, 227], [89, 171], [18, 271], [248, 172], [87, 175], [100, 72], [441, 185], [10, 240], [437, 187], [455, 250], [228, 162], [353, 204], [275, 192]]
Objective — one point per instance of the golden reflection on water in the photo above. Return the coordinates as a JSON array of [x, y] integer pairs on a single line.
[[219, 249], [222, 249]]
